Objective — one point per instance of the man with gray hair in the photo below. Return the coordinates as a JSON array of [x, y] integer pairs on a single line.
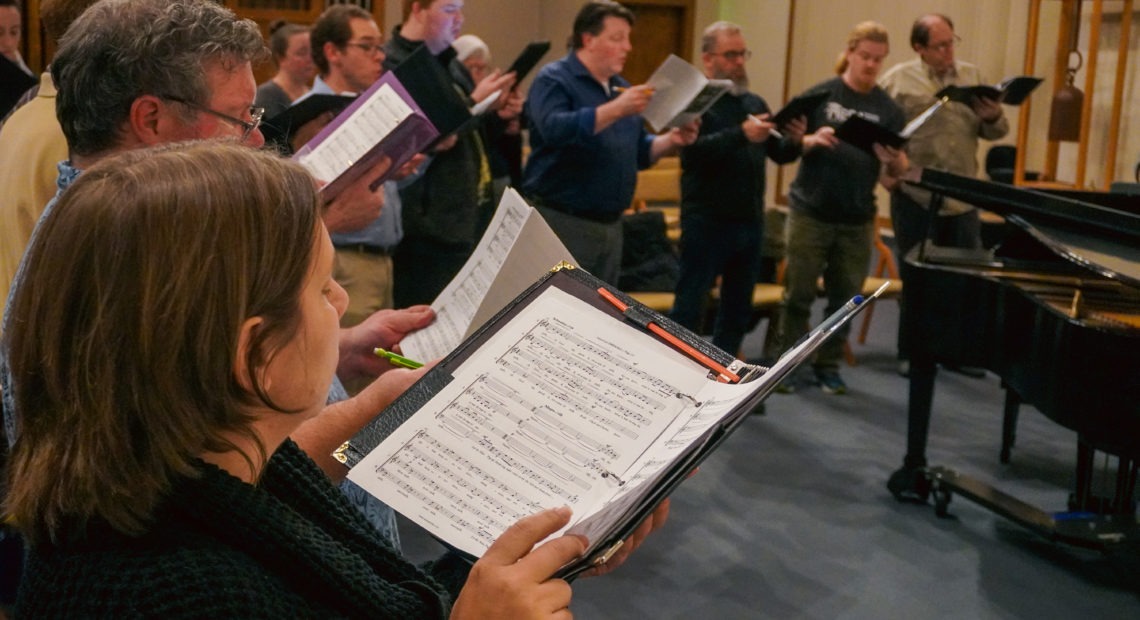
[[722, 192], [135, 73], [947, 141]]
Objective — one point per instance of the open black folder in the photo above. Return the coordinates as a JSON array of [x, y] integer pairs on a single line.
[[863, 133], [800, 105], [1012, 91], [560, 399], [280, 130]]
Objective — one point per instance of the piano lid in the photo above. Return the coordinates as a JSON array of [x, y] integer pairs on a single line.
[[1099, 238]]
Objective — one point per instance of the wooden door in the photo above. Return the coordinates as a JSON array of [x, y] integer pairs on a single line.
[[661, 27]]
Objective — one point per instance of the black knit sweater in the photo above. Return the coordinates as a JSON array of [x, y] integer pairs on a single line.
[[290, 547]]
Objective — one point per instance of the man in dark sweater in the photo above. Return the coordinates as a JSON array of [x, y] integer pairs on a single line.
[[722, 192], [447, 208]]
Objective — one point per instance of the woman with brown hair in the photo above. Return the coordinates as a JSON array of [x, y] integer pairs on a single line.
[[176, 324], [289, 45]]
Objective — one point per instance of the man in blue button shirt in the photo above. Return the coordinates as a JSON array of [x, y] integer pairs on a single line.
[[588, 140]]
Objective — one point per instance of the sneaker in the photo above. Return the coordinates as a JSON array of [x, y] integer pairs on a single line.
[[830, 382]]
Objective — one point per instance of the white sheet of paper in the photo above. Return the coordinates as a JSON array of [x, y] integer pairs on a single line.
[[375, 119], [677, 84], [517, 248], [557, 408]]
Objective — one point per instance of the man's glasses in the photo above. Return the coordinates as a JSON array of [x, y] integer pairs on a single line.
[[945, 45], [255, 115], [368, 48], [735, 55]]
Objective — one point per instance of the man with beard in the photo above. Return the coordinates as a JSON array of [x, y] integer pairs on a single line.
[[722, 192]]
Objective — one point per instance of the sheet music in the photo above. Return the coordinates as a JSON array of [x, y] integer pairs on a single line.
[[375, 118], [713, 402], [677, 87], [553, 410], [516, 249]]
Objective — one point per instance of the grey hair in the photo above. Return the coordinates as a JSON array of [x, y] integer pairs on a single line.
[[709, 36], [119, 50]]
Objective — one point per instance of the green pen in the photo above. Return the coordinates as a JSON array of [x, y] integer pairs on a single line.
[[397, 360]]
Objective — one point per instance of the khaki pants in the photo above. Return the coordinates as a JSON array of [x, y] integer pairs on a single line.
[[368, 280]]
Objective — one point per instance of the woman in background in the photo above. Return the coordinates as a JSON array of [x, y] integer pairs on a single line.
[[289, 44], [177, 322]]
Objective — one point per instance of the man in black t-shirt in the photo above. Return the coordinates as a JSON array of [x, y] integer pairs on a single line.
[[832, 217]]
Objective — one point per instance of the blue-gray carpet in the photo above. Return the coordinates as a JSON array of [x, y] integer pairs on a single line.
[[792, 519]]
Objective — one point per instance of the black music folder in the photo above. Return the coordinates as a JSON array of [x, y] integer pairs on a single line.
[[1012, 91], [800, 105], [13, 84], [432, 87], [280, 130], [566, 397], [526, 61], [862, 133]]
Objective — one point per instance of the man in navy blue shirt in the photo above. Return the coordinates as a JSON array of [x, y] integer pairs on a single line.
[[588, 140]]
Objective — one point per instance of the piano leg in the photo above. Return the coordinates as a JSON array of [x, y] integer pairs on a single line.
[[1084, 497], [1009, 422], [910, 483], [1125, 483]]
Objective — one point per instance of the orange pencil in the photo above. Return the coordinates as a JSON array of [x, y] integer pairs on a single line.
[[622, 89], [725, 375]]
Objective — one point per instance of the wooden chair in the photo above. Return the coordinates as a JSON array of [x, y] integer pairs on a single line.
[[885, 266], [659, 187]]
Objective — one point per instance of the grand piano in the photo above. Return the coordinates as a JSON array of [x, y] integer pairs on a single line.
[[1054, 310]]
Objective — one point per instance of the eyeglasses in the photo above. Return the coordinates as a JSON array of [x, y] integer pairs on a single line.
[[735, 55], [255, 115], [368, 48], [945, 45]]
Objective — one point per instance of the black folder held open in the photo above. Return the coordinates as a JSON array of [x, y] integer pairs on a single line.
[[560, 399]]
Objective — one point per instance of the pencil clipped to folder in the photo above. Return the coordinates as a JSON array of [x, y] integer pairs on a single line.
[[724, 375]]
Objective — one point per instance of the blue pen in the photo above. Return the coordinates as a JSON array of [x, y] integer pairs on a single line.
[[838, 316]]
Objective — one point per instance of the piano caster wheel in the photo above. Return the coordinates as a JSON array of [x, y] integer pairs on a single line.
[[909, 484], [942, 499]]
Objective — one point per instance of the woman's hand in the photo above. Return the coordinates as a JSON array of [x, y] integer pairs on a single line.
[[513, 578]]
